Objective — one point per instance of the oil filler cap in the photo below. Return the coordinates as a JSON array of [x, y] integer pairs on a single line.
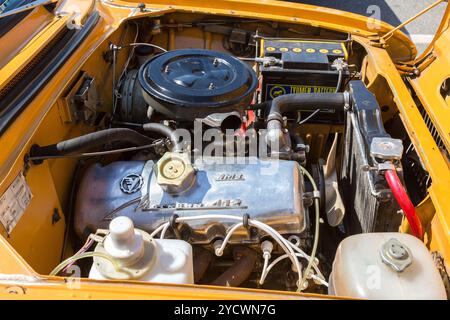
[[192, 83], [175, 173]]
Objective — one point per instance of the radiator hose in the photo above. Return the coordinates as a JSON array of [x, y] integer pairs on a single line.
[[276, 137], [404, 202]]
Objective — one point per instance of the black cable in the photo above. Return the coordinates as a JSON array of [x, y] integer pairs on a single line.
[[94, 154]]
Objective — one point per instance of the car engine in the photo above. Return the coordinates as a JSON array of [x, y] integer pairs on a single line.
[[239, 157]]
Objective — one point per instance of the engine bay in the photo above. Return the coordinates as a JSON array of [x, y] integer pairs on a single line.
[[223, 153]]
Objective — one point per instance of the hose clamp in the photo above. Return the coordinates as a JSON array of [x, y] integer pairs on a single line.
[[316, 194], [347, 104], [245, 221]]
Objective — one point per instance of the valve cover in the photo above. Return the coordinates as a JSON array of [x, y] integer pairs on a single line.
[[247, 186]]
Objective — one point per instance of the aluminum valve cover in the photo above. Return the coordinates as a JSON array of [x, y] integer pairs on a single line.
[[267, 190]]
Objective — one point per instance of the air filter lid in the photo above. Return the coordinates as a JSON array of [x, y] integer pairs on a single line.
[[191, 83]]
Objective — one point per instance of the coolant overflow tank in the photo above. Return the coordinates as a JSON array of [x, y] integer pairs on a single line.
[[138, 257], [385, 266]]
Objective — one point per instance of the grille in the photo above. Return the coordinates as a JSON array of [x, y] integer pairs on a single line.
[[434, 132]]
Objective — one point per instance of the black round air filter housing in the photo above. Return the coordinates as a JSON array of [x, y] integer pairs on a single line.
[[194, 83]]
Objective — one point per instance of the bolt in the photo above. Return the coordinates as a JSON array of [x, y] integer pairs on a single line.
[[15, 290], [211, 86], [216, 62], [141, 7]]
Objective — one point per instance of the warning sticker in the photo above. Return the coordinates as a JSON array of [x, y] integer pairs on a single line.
[[14, 202]]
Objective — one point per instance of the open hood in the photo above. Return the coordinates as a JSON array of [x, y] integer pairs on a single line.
[[440, 32], [430, 79]]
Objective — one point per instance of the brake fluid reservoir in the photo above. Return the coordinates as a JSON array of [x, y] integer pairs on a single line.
[[141, 258], [385, 266]]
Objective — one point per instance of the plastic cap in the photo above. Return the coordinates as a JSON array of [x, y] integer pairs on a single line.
[[124, 243], [122, 231]]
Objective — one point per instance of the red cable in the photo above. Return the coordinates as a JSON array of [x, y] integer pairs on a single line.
[[405, 203]]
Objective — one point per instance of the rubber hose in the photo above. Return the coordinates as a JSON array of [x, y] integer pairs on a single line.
[[404, 202], [305, 101], [166, 132], [91, 140], [276, 138]]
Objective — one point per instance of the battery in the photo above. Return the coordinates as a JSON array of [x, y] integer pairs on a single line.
[[306, 68]]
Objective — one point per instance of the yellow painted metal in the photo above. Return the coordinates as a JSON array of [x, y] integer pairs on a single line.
[[11, 262], [40, 123], [426, 211], [422, 140], [32, 48], [428, 85], [399, 46], [443, 27], [56, 288], [17, 38]]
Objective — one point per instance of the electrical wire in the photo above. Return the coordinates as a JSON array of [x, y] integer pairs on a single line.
[[286, 245], [114, 57], [164, 230], [316, 231], [70, 207], [318, 278], [338, 87], [265, 266], [134, 44], [124, 71], [310, 116], [255, 223], [220, 250], [307, 257], [84, 248], [83, 255]]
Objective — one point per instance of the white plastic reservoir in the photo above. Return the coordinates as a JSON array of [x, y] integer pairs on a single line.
[[385, 266], [140, 258]]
